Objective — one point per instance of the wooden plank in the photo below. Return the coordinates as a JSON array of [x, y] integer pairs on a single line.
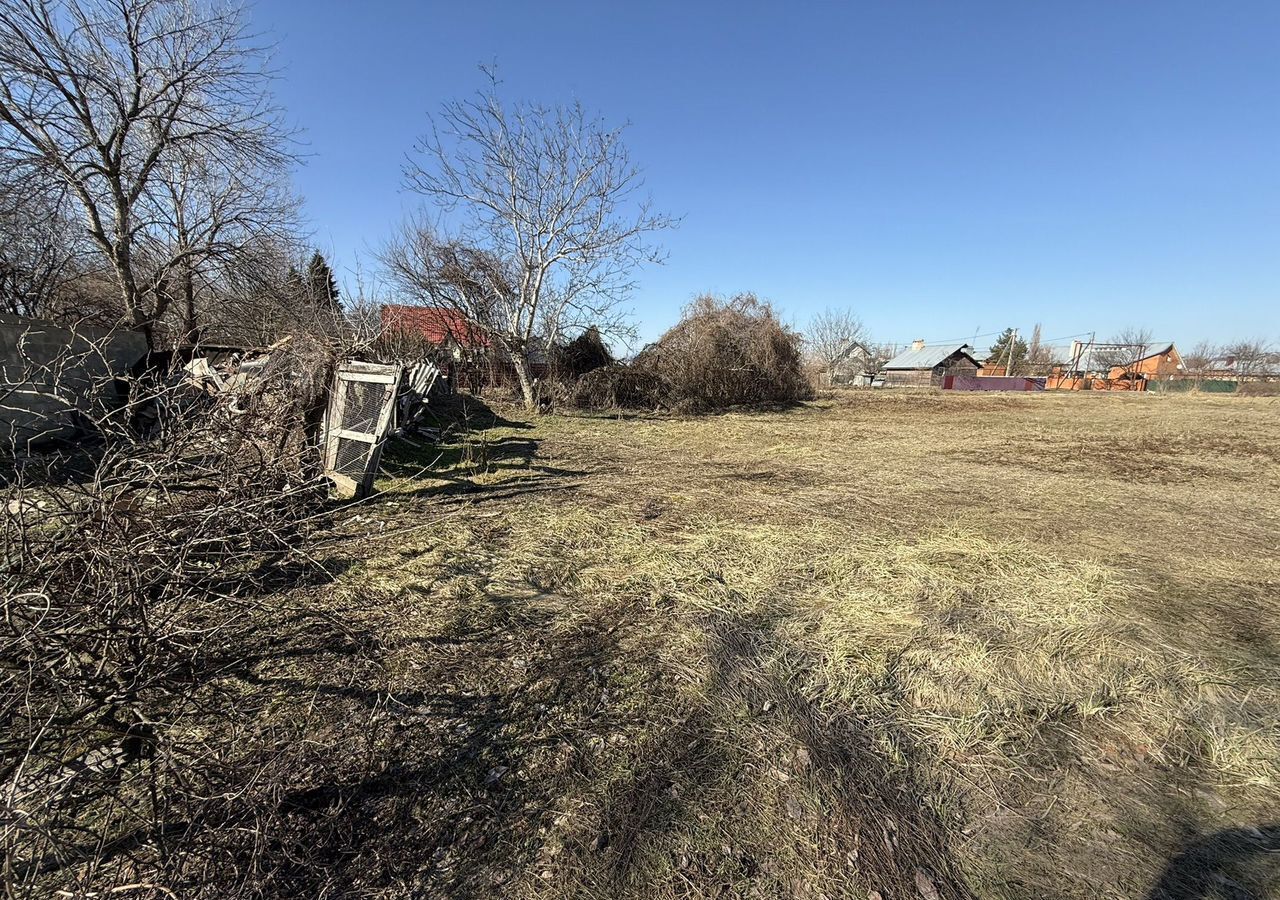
[[376, 378], [354, 366], [345, 487], [380, 432], [333, 418], [367, 373]]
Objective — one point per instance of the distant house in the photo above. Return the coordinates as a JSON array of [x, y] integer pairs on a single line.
[[1094, 367], [439, 326], [924, 366], [472, 359], [1233, 368], [1161, 364], [856, 365]]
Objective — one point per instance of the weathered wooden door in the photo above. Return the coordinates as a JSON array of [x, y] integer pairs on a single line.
[[357, 421]]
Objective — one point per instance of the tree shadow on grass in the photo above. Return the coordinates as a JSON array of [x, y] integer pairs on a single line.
[[699, 766], [1232, 864], [686, 415], [442, 784], [478, 469], [472, 756], [467, 412], [457, 426]]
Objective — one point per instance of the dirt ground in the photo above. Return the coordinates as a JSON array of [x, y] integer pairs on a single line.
[[904, 644]]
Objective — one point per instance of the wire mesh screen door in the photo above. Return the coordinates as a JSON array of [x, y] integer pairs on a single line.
[[357, 422]]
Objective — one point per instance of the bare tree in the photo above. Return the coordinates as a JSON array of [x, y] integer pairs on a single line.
[[1124, 349], [1251, 357], [831, 336], [1040, 356], [39, 248], [1198, 361], [217, 213], [103, 95], [258, 298], [550, 223]]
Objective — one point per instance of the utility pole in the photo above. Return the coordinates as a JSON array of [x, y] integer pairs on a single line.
[[1008, 363]]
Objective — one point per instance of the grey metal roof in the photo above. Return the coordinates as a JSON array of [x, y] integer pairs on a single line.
[[928, 357]]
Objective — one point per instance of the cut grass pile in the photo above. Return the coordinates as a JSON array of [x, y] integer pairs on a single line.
[[912, 644]]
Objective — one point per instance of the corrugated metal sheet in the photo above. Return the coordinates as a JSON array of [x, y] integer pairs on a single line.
[[928, 357]]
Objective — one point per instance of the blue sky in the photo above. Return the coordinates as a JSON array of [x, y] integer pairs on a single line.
[[942, 168]]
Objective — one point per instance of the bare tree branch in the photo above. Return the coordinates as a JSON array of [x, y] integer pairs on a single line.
[[1251, 357], [108, 96], [830, 337], [550, 217]]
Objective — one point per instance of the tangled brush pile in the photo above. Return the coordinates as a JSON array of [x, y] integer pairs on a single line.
[[722, 353]]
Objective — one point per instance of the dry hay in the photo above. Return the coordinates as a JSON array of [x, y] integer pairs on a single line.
[[983, 670], [650, 671], [1259, 389]]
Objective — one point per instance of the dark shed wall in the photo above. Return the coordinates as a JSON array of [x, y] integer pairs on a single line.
[[908, 377], [956, 364], [50, 375]]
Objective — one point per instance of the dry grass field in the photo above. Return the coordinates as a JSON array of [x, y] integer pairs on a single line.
[[883, 645]]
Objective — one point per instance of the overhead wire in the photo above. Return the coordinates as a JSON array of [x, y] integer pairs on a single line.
[[974, 337]]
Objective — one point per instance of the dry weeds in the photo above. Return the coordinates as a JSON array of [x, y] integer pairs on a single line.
[[1004, 646]]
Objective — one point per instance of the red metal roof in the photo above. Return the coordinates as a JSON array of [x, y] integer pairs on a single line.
[[438, 324]]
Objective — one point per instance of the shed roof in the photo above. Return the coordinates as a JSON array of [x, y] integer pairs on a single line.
[[438, 324], [928, 357]]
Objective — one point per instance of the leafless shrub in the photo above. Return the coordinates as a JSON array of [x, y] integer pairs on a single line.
[[258, 301], [1199, 360], [728, 352], [1253, 358], [138, 571], [1259, 389], [620, 387], [581, 355]]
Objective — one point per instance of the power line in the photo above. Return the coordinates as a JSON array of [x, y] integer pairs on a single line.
[[965, 339], [1065, 337], [974, 337]]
